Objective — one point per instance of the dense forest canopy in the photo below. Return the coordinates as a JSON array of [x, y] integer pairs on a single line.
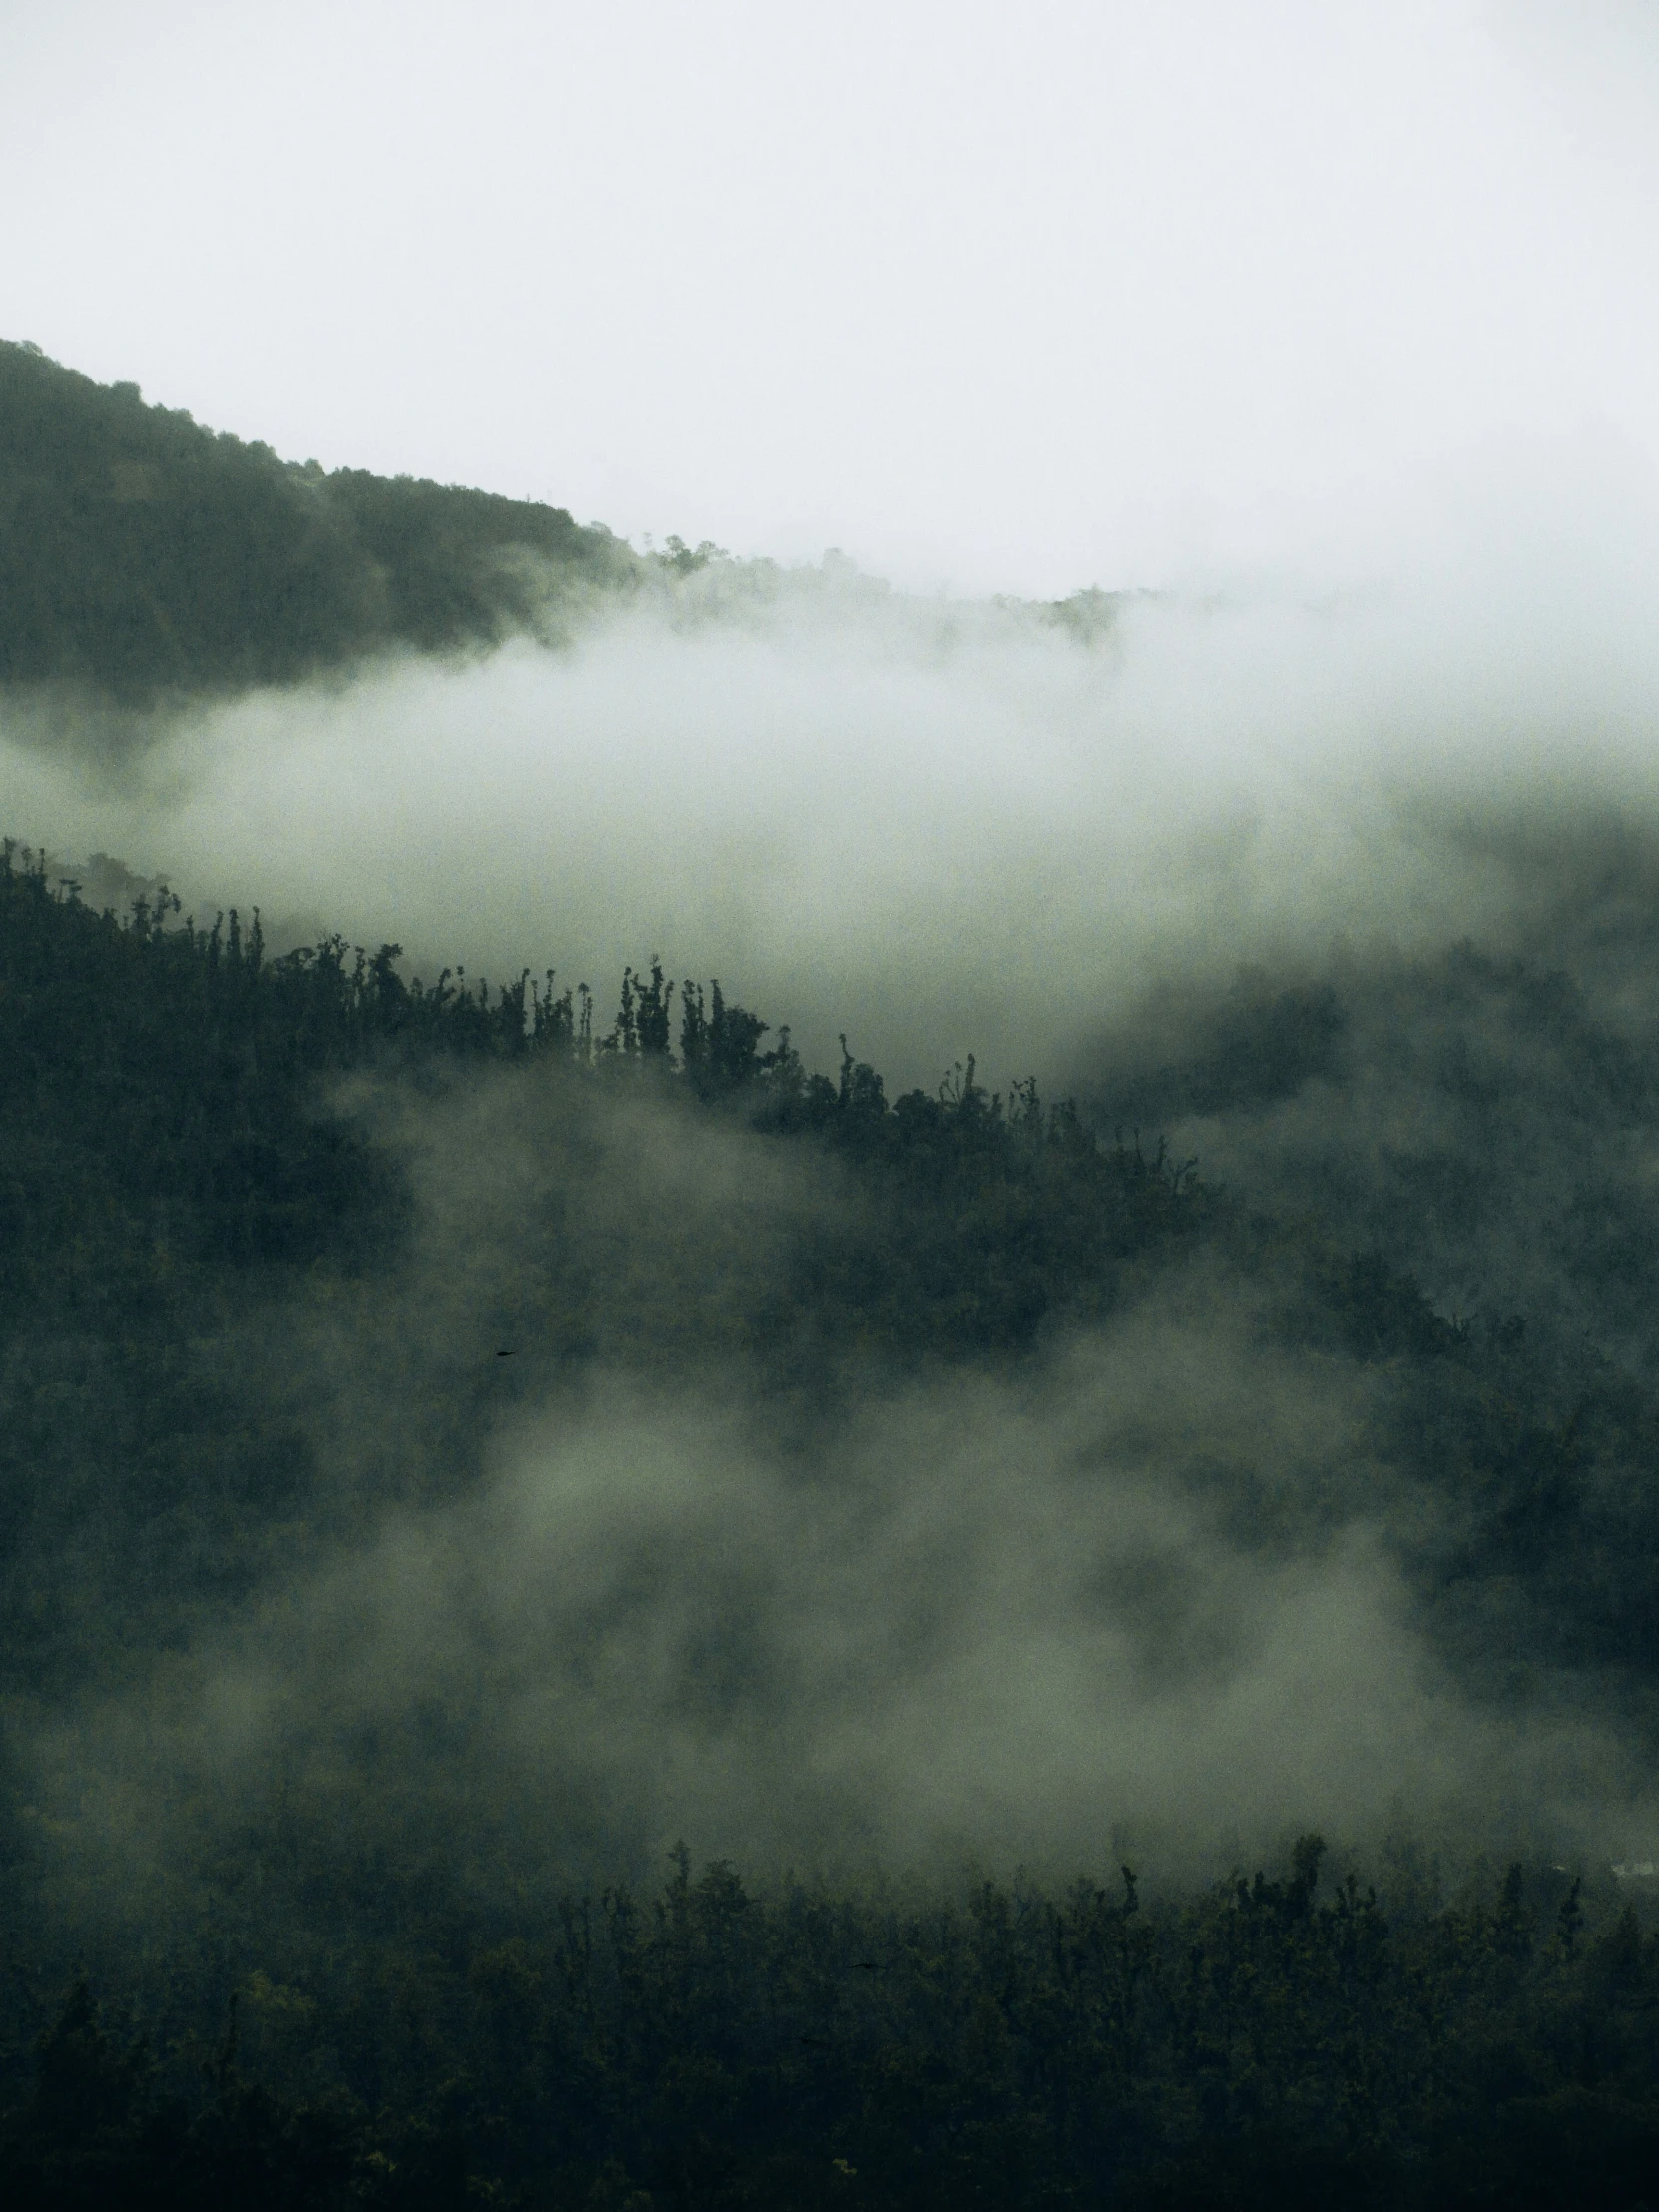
[[147, 561], [1144, 1606], [210, 1199], [145, 557]]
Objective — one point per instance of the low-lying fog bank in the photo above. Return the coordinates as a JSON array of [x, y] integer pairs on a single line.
[[949, 827]]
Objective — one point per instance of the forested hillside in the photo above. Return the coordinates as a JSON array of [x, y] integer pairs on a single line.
[[144, 557], [371, 1967], [1144, 1606]]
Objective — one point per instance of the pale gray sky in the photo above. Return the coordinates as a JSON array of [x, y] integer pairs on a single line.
[[998, 296]]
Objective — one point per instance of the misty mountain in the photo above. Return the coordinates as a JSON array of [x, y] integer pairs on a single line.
[[149, 562], [144, 557], [444, 1432], [1484, 1118], [1138, 1593]]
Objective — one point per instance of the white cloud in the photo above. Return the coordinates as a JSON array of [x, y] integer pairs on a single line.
[[1086, 293]]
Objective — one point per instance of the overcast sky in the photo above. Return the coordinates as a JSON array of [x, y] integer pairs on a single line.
[[995, 297]]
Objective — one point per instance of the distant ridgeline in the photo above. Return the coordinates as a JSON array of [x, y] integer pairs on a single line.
[[143, 556]]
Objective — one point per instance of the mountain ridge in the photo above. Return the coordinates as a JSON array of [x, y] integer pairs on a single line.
[[143, 556]]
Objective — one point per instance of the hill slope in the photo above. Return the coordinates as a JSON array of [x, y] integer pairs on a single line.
[[289, 1254], [143, 556]]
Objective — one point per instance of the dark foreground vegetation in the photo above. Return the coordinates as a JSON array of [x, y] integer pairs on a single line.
[[327, 2004], [1259, 2046], [145, 559]]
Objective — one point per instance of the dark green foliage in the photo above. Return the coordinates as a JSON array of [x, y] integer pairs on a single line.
[[1480, 1120], [178, 1165], [169, 1156], [98, 2131], [717, 1043], [167, 1168], [142, 557], [171, 1067], [1257, 2044], [171, 1170], [1258, 1046]]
